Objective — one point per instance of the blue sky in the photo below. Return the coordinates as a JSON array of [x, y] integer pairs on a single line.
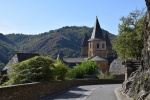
[[38, 16]]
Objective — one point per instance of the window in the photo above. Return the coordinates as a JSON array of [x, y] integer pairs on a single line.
[[97, 45], [103, 45]]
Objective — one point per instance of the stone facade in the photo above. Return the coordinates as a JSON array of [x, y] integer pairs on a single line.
[[12, 61], [103, 65], [97, 48]]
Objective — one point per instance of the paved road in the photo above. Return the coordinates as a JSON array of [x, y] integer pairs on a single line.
[[88, 92]]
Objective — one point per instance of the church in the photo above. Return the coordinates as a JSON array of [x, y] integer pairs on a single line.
[[98, 48]]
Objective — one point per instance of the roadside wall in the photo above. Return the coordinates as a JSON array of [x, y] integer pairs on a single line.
[[34, 91]]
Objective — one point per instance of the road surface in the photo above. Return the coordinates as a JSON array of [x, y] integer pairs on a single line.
[[87, 92]]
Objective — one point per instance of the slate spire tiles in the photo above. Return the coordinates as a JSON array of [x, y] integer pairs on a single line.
[[85, 41], [108, 43], [97, 31]]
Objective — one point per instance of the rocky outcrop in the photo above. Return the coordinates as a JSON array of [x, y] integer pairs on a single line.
[[137, 86]]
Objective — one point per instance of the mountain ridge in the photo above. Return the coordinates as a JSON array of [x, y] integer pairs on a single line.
[[66, 40]]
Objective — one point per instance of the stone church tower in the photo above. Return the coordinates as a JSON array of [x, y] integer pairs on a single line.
[[97, 42]]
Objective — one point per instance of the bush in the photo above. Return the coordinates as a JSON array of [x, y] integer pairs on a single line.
[[85, 68], [36, 69], [60, 70], [105, 76]]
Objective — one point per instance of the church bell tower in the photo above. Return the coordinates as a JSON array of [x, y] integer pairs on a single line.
[[97, 42]]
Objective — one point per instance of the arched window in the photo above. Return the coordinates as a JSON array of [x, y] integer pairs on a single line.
[[97, 45]]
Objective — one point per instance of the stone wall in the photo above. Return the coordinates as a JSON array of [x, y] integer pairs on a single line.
[[100, 51], [35, 91], [103, 66]]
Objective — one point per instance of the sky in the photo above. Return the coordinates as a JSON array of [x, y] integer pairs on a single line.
[[38, 16]]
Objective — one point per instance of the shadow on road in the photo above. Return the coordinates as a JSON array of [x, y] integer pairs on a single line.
[[67, 94]]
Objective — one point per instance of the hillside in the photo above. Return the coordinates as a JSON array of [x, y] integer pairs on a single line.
[[6, 49], [66, 40]]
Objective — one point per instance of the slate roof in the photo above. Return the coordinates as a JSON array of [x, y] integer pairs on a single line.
[[79, 60], [85, 41], [108, 43], [19, 57], [24, 56], [116, 67], [97, 32], [74, 60], [97, 58]]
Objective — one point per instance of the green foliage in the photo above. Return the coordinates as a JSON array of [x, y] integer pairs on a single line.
[[60, 70], [36, 69], [6, 49], [2, 79], [129, 41], [85, 68], [71, 74], [105, 76]]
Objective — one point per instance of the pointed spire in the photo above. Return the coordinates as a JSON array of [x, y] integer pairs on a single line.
[[59, 57], [108, 43], [97, 31], [85, 41]]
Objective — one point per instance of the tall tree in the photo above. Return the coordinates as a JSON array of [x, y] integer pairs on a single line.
[[129, 41]]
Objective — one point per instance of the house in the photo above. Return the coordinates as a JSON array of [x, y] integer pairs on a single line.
[[98, 48], [18, 57]]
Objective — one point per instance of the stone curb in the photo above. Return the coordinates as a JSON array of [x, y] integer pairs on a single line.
[[119, 95]]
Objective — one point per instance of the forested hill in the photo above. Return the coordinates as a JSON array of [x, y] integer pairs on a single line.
[[66, 40]]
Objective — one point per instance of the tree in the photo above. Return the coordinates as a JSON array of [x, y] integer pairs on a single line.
[[129, 41], [37, 69], [85, 68]]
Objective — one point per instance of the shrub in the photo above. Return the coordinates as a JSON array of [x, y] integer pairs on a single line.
[[85, 68], [36, 69], [105, 76], [60, 70]]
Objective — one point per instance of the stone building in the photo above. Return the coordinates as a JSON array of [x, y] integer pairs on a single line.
[[98, 48], [97, 43], [18, 57]]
